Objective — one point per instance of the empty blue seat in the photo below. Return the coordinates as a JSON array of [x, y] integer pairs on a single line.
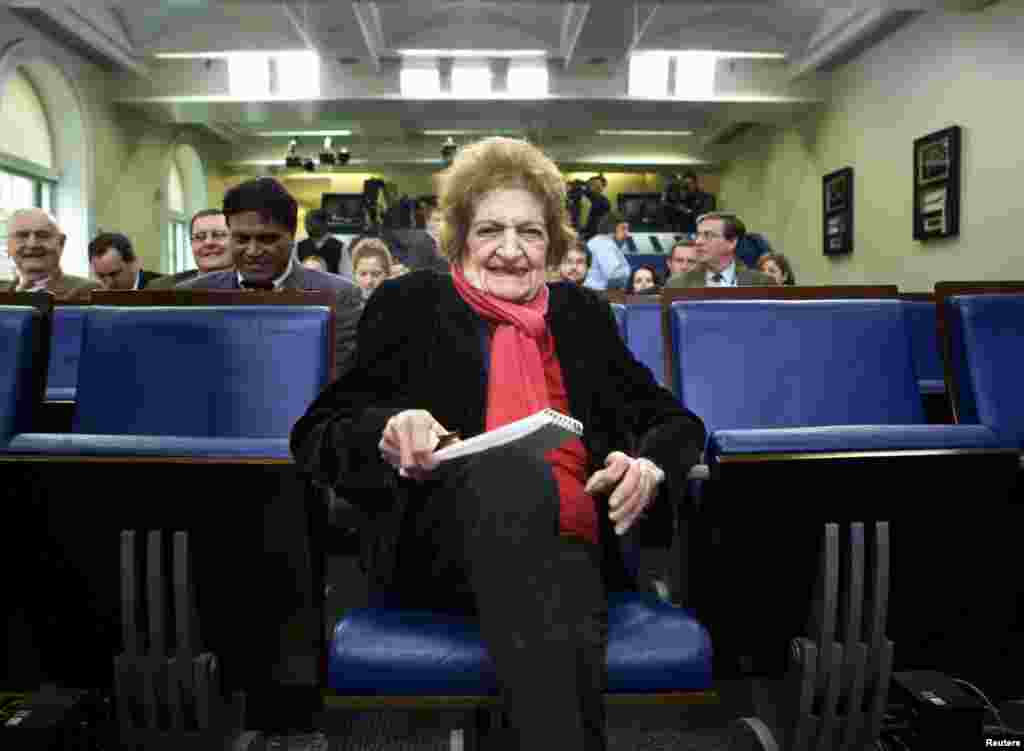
[[653, 647], [924, 338], [785, 376], [644, 336], [195, 376], [21, 367], [65, 352], [987, 344]]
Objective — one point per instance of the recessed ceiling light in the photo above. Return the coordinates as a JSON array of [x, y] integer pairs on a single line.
[[645, 132], [301, 133]]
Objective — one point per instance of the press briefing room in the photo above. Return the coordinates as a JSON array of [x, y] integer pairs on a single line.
[[590, 376]]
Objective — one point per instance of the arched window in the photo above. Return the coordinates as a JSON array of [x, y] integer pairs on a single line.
[[27, 177], [186, 194]]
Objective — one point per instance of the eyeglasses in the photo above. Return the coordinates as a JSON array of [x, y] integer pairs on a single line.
[[200, 237], [707, 235], [43, 235]]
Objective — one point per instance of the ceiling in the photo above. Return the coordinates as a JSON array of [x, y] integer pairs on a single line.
[[587, 46]]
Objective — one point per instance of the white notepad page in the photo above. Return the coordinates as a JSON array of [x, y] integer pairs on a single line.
[[539, 433]]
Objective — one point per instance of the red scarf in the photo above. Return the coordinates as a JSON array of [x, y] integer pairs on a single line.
[[516, 387]]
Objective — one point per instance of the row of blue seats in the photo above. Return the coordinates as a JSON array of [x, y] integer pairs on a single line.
[[640, 324]]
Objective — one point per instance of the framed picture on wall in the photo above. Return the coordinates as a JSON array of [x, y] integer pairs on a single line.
[[937, 184], [837, 202]]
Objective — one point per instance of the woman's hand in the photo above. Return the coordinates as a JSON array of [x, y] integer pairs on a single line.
[[408, 443], [636, 484]]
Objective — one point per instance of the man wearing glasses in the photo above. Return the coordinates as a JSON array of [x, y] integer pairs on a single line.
[[717, 237], [209, 233], [35, 243]]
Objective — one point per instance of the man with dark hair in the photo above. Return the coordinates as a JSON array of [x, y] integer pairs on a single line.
[[115, 265], [685, 201], [717, 236], [262, 217], [599, 205], [208, 232], [682, 259], [609, 268], [321, 243]]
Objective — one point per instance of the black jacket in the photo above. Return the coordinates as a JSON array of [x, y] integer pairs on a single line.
[[419, 347], [331, 252]]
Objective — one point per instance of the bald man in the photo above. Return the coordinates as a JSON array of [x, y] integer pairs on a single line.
[[35, 243]]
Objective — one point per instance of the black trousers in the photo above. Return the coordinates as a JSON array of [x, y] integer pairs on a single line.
[[485, 539]]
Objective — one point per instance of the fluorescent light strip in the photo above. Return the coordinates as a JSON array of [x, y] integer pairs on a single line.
[[224, 55], [478, 132], [473, 53], [645, 132], [302, 133], [713, 53]]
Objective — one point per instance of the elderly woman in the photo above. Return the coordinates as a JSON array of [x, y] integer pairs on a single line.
[[518, 540]]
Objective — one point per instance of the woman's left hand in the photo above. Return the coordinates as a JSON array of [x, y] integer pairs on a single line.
[[636, 484]]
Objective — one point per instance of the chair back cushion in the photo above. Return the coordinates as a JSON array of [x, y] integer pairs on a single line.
[[924, 338], [226, 372], [644, 336], [988, 343], [795, 363], [620, 312], [65, 352], [21, 367]]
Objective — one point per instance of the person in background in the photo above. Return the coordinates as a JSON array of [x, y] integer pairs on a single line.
[[683, 259], [513, 539], [778, 267], [209, 234], [717, 236], [371, 260], [609, 268], [685, 202], [576, 264], [316, 263], [115, 264], [321, 243], [599, 205], [645, 280], [623, 239], [35, 243]]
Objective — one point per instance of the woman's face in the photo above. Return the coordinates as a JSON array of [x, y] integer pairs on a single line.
[[643, 279], [369, 273], [772, 269], [507, 245]]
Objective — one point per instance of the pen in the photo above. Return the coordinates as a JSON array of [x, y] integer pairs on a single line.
[[447, 440]]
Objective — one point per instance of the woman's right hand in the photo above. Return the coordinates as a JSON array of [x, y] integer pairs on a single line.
[[408, 442]]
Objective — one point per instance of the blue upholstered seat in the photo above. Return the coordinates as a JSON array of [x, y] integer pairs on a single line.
[[987, 337], [644, 336], [805, 376], [620, 319], [652, 647], [19, 367], [65, 352], [924, 338]]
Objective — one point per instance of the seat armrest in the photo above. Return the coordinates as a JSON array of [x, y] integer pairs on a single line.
[[81, 444]]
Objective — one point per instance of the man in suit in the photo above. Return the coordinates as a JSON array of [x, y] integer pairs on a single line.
[[35, 242], [209, 234], [262, 218], [682, 259], [685, 202], [328, 247], [599, 205], [115, 264], [717, 236]]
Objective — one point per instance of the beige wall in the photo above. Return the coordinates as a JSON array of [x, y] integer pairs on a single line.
[[938, 71]]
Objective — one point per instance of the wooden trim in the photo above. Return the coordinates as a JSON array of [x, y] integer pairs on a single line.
[[43, 302], [333, 700], [944, 290], [917, 296], [71, 459], [825, 455]]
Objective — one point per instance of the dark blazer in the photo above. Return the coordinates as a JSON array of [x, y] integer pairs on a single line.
[[333, 252], [346, 313], [147, 277], [170, 281], [422, 347]]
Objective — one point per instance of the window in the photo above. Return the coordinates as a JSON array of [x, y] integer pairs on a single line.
[[419, 78], [528, 78], [695, 75], [472, 78], [249, 75], [298, 74], [179, 251], [648, 75]]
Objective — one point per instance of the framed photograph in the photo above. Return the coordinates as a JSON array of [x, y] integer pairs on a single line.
[[937, 184], [837, 204]]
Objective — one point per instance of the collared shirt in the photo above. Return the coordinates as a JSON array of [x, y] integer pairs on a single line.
[[609, 264], [40, 285], [728, 277], [277, 282]]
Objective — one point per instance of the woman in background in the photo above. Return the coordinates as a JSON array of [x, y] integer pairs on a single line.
[[777, 266], [645, 280], [371, 264]]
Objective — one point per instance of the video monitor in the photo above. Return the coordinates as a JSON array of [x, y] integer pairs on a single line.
[[344, 210]]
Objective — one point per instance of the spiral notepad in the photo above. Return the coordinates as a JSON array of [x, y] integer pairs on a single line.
[[539, 433]]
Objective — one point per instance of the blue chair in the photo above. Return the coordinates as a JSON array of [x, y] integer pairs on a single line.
[[644, 334], [987, 337], [924, 338], [65, 352], [620, 319], [23, 353]]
